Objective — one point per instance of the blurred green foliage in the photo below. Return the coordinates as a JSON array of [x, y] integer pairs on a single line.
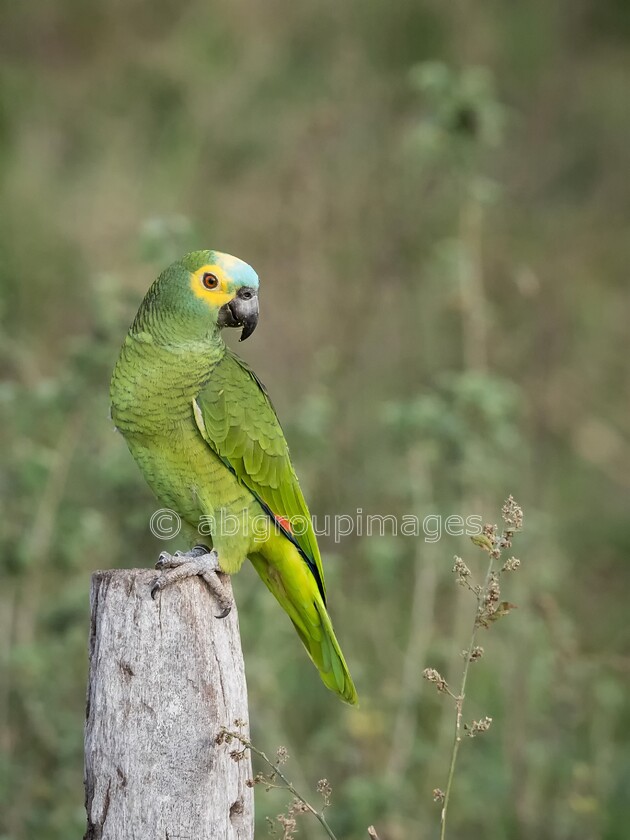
[[435, 198]]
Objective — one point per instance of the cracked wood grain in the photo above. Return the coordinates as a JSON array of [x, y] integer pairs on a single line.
[[165, 677]]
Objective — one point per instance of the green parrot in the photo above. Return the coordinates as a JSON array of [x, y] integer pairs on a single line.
[[206, 436]]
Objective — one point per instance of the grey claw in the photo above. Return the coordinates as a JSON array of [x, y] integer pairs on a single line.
[[200, 548], [163, 558], [155, 588], [225, 613]]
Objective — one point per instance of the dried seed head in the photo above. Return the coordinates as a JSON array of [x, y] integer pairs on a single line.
[[461, 570], [460, 567], [512, 514], [281, 755], [511, 565], [289, 825], [488, 607], [475, 654], [438, 795], [493, 592], [324, 788], [435, 677], [478, 726]]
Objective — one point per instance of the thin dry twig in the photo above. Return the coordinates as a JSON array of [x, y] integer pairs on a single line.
[[489, 609], [268, 781]]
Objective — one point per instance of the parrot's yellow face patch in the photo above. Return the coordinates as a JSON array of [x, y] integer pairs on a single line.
[[211, 284]]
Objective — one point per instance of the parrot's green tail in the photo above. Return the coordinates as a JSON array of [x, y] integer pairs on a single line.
[[300, 598], [324, 650]]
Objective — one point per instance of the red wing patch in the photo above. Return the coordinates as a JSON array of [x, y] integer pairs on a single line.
[[282, 520]]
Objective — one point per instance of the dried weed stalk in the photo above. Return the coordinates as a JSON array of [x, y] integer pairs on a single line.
[[490, 608], [275, 778]]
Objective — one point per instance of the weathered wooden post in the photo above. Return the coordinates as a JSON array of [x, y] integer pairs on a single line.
[[165, 677]]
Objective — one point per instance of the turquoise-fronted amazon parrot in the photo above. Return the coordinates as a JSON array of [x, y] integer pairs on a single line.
[[204, 432]]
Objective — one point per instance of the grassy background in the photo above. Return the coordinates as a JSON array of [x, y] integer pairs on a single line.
[[436, 199]]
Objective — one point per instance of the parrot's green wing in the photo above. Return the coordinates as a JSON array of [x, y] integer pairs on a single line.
[[236, 418]]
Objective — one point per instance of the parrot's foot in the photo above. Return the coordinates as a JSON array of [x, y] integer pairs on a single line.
[[198, 561]]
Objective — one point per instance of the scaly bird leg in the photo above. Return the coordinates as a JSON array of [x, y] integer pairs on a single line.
[[198, 561]]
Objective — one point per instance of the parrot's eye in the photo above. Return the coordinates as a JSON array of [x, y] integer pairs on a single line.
[[210, 281]]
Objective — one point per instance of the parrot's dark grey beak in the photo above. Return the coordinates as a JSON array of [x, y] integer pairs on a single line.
[[241, 311]]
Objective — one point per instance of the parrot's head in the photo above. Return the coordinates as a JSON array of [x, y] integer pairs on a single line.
[[205, 291]]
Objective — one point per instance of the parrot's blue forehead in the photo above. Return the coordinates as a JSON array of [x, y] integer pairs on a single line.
[[239, 272], [231, 271]]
